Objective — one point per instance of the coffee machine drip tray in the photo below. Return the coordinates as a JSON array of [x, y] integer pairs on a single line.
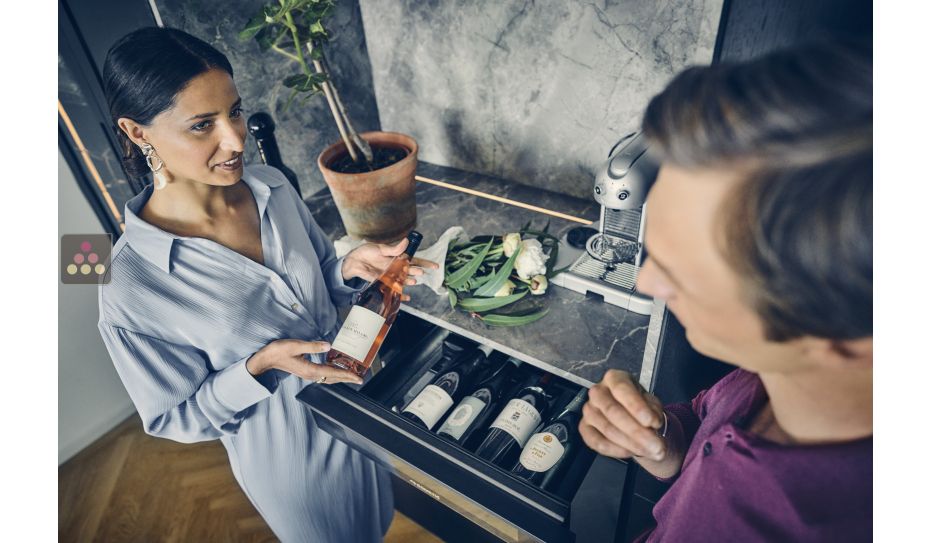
[[615, 283], [612, 250], [621, 275]]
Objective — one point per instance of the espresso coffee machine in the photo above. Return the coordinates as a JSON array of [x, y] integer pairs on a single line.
[[605, 259]]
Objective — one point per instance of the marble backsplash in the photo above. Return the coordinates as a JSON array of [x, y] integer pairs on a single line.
[[535, 92], [303, 131]]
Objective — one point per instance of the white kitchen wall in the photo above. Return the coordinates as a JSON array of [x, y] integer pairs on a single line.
[[91, 398]]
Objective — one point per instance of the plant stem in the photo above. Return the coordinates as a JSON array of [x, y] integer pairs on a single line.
[[289, 22], [327, 91], [359, 142], [285, 53]]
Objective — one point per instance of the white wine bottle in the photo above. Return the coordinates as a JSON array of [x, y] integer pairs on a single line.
[[434, 401], [473, 410], [451, 350], [372, 315]]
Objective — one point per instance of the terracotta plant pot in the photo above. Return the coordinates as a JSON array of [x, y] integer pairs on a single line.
[[378, 206]]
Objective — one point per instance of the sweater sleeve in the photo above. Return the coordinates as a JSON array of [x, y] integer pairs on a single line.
[[692, 414], [174, 390], [688, 415]]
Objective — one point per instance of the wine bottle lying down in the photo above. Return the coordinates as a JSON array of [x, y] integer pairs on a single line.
[[516, 422], [473, 410], [447, 388], [548, 452], [372, 315]]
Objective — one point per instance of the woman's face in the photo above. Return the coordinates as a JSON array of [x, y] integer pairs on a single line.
[[201, 138]]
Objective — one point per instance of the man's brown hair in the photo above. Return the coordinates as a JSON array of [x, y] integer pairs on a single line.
[[798, 228]]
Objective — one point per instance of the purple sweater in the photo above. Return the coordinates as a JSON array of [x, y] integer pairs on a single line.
[[736, 486]]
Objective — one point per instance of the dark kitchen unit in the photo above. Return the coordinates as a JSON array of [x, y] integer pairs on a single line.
[[445, 486]]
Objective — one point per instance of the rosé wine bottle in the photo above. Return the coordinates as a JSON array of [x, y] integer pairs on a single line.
[[372, 315]]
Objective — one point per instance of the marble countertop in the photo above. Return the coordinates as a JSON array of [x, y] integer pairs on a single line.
[[579, 339]]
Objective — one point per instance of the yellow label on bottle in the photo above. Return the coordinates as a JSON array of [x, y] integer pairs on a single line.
[[542, 452]]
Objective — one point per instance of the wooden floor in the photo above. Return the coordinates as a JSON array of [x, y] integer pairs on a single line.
[[129, 486]]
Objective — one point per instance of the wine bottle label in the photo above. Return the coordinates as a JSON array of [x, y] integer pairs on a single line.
[[430, 405], [542, 452], [358, 332], [418, 387], [462, 417], [519, 418]]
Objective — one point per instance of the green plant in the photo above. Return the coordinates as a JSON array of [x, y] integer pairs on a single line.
[[482, 278], [294, 29]]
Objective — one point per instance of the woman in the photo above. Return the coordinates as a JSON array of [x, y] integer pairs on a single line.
[[221, 285]]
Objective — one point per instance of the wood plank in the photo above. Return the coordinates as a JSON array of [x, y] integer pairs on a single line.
[[129, 486]]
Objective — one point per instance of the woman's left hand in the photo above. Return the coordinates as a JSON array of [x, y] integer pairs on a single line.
[[369, 260]]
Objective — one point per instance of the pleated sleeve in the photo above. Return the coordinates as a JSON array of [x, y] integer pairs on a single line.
[[174, 390]]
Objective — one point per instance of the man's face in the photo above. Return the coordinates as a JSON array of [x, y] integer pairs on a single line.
[[686, 268]]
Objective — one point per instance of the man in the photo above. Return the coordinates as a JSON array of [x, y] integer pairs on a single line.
[[760, 242]]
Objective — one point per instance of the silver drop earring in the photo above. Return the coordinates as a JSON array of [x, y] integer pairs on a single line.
[[150, 157]]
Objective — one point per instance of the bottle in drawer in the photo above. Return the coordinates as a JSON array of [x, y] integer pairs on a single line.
[[453, 348], [549, 451], [516, 422], [473, 411], [448, 387]]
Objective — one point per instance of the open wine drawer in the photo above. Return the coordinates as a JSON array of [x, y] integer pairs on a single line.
[[488, 495]]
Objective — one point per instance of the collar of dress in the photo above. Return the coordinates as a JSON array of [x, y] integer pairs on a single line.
[[154, 244]]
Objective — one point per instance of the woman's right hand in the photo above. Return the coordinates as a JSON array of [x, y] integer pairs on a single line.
[[288, 355]]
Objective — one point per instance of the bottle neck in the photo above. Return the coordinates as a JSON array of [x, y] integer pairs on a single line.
[[577, 402], [396, 268], [533, 381], [269, 152], [476, 360], [497, 378], [413, 238]]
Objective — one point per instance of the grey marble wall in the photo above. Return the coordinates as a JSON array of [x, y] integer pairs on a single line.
[[536, 92], [302, 131]]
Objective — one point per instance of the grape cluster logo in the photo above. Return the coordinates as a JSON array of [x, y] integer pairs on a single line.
[[85, 259]]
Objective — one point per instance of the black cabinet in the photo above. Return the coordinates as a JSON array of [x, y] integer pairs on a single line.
[[467, 495]]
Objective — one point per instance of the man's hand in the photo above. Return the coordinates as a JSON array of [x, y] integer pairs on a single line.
[[621, 420]]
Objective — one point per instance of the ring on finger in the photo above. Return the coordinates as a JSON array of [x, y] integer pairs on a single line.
[[664, 425], [322, 380]]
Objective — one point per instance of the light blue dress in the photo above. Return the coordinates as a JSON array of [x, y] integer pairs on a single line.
[[181, 316]]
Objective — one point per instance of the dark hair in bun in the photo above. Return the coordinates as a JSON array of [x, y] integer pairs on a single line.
[[143, 73]]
